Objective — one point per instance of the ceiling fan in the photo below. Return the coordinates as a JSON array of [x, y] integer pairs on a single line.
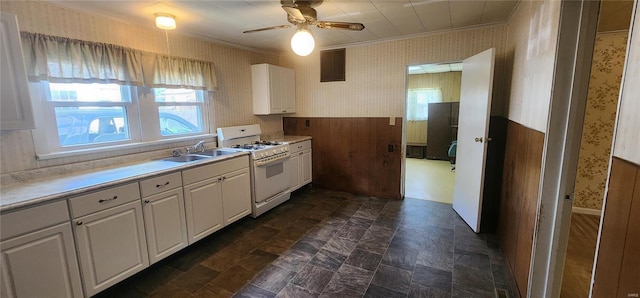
[[302, 14]]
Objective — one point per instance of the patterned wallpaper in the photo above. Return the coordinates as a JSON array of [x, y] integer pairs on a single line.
[[599, 119], [231, 104], [376, 73]]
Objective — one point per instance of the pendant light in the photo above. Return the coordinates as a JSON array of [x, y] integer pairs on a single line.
[[302, 42]]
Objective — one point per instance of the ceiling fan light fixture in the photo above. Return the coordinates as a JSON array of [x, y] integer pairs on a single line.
[[165, 21], [302, 42]]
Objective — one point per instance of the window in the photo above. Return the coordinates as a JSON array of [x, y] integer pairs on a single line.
[[93, 115], [418, 102], [180, 111]]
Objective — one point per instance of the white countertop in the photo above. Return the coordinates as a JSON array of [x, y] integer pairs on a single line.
[[18, 195]]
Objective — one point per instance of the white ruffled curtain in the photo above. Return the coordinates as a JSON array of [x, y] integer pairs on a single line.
[[64, 60]]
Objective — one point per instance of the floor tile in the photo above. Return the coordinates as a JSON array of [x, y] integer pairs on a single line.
[[251, 291], [329, 260], [472, 260], [364, 259], [257, 260], [293, 259], [349, 280], [340, 245], [324, 243], [232, 280], [404, 259], [392, 278], [432, 277], [351, 232], [222, 260], [469, 278], [195, 278], [375, 291], [312, 278], [293, 291], [435, 259], [273, 278], [420, 291], [309, 245]]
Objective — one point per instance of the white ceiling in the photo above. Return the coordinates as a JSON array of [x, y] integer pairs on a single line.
[[224, 21]]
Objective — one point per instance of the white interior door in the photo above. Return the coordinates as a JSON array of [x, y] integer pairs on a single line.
[[473, 128]]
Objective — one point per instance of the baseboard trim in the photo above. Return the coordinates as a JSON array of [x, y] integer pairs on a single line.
[[589, 211]]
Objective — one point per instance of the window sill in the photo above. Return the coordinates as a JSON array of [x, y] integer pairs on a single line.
[[71, 153]]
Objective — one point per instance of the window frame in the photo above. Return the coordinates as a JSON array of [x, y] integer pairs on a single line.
[[144, 128]]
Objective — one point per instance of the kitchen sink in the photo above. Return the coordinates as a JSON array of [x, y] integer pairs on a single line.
[[186, 158], [215, 152]]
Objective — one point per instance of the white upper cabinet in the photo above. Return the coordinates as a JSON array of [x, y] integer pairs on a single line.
[[15, 103], [274, 90]]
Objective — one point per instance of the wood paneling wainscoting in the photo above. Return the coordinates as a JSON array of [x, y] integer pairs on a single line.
[[617, 271], [521, 179], [353, 154]]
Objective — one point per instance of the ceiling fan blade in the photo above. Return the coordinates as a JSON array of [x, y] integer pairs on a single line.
[[294, 13], [339, 25], [268, 28]]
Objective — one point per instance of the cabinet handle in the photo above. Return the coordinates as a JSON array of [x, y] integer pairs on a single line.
[[301, 153], [220, 179], [224, 178], [284, 111], [78, 223], [147, 201], [107, 200], [162, 185]]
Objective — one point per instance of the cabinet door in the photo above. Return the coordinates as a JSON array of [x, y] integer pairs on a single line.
[[41, 264], [15, 103], [111, 246], [236, 195], [294, 167], [288, 79], [203, 202], [275, 89], [165, 223], [305, 171]]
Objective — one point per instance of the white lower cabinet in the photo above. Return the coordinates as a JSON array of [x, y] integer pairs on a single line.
[[41, 264], [164, 218], [216, 195], [300, 164], [203, 202], [236, 195], [111, 246]]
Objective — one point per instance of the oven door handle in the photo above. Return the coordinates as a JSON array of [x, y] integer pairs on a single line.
[[270, 161]]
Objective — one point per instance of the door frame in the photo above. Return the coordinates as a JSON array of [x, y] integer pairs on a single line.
[[573, 59], [403, 151]]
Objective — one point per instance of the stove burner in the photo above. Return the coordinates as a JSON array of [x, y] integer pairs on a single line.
[[267, 143], [254, 146]]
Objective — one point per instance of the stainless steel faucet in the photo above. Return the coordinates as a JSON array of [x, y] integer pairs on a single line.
[[199, 146]]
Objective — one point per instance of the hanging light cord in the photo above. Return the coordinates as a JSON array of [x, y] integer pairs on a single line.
[[166, 35]]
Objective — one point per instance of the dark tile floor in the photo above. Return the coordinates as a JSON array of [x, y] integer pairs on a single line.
[[332, 244]]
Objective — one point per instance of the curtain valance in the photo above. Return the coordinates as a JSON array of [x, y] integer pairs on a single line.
[[65, 60]]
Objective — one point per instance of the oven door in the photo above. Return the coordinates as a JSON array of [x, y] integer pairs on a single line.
[[271, 179]]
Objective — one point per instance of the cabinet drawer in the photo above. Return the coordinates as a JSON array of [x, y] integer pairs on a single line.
[[215, 169], [301, 146], [32, 219], [104, 199], [159, 184]]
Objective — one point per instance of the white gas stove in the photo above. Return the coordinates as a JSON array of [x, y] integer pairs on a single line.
[[270, 174]]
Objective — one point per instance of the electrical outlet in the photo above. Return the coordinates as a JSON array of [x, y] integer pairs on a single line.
[[390, 148]]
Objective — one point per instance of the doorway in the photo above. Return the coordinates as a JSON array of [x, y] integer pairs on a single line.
[[595, 148], [433, 96]]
